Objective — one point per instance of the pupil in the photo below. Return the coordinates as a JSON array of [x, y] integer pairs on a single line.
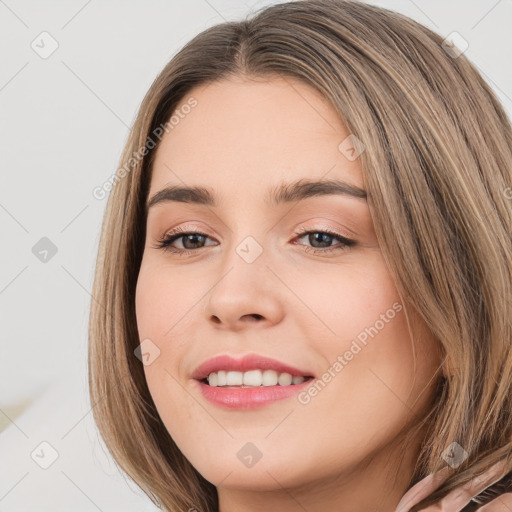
[[323, 236], [188, 238]]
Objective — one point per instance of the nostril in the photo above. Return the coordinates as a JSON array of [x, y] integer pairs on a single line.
[[256, 316]]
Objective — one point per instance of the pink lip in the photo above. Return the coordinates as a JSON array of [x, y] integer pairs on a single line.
[[246, 363], [247, 398]]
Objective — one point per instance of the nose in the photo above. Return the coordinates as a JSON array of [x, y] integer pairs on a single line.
[[246, 295]]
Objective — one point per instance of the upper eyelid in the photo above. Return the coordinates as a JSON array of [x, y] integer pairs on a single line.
[[299, 231]]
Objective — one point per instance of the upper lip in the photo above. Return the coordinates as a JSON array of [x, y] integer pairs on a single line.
[[245, 363]]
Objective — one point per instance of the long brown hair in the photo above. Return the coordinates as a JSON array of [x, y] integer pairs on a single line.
[[437, 166]]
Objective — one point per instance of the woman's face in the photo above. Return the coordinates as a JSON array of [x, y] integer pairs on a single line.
[[253, 283]]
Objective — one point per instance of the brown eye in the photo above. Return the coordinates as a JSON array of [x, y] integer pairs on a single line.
[[321, 241], [192, 240]]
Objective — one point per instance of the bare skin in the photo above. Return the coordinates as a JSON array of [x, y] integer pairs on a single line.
[[341, 450]]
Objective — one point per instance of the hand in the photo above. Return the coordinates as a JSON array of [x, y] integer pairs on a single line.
[[457, 499]]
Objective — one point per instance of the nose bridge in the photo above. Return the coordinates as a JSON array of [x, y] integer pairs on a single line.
[[250, 248], [246, 289], [249, 239], [244, 268]]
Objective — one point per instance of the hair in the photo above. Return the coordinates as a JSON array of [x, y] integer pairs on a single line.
[[437, 167]]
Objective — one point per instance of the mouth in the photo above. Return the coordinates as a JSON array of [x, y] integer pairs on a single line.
[[250, 382], [256, 378]]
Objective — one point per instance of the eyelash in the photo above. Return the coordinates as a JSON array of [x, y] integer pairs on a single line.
[[166, 241]]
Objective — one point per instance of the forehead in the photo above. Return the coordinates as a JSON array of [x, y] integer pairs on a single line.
[[245, 134]]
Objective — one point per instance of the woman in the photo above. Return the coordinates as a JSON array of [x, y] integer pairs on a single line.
[[368, 372]]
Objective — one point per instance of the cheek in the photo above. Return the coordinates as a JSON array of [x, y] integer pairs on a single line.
[[163, 302], [352, 301], [164, 310], [365, 345]]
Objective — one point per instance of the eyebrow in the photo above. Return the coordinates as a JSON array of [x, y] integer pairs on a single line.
[[284, 193]]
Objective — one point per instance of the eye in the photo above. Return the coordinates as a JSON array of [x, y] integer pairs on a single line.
[[194, 240], [190, 239], [325, 236]]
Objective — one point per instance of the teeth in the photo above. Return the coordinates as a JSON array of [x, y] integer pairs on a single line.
[[252, 378], [234, 378]]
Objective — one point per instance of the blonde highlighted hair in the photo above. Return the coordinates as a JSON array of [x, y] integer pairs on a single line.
[[437, 168]]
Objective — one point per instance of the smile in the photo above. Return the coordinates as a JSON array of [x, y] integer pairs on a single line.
[[253, 378]]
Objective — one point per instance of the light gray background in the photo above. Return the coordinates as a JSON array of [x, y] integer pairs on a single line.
[[63, 122]]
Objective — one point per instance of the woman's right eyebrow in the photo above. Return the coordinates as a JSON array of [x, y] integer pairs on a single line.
[[284, 193]]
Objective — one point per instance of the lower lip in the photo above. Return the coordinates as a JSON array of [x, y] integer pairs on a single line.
[[249, 398]]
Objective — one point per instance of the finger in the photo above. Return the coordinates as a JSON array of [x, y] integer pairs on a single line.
[[458, 498], [479, 483], [422, 489], [502, 503]]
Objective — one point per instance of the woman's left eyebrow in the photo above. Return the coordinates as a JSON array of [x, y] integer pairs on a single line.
[[284, 193]]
